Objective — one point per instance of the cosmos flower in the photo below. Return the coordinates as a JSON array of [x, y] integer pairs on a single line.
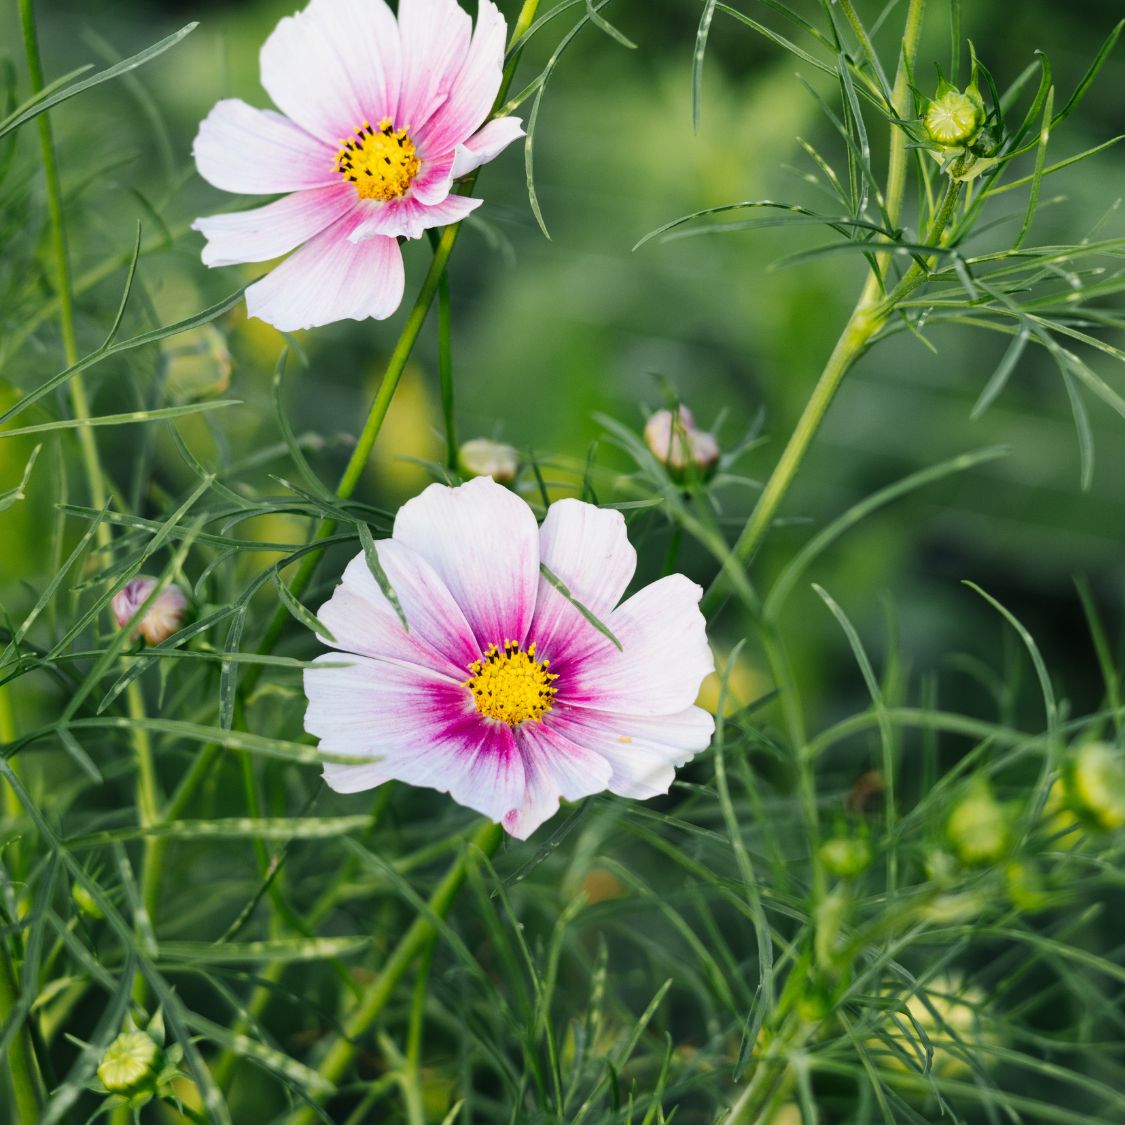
[[378, 117], [502, 692], [161, 619]]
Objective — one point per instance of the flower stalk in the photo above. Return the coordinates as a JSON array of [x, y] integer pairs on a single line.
[[341, 1050], [23, 1068], [868, 316]]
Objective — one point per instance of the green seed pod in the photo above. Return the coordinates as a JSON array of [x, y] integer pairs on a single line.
[[85, 901], [1096, 785], [978, 829], [131, 1064], [845, 857], [954, 118]]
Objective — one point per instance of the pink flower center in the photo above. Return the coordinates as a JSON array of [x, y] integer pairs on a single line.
[[381, 163], [510, 685]]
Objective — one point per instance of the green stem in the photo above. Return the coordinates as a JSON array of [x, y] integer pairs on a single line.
[[79, 401], [866, 319], [21, 1057], [445, 372], [422, 931]]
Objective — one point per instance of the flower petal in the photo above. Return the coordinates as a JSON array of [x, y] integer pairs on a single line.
[[362, 620], [404, 723], [330, 279], [489, 142], [435, 34], [484, 544], [270, 231], [434, 182], [644, 752], [259, 152], [587, 548], [665, 657], [554, 767], [411, 219], [474, 90], [334, 65]]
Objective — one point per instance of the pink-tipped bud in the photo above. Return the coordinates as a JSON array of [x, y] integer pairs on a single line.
[[162, 618], [677, 444]]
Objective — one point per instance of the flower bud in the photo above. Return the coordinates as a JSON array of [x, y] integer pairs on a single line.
[[678, 445], [978, 829], [954, 118], [845, 857], [85, 901], [162, 618], [1096, 785], [483, 458], [131, 1064]]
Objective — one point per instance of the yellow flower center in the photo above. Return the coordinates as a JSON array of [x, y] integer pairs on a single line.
[[380, 162], [510, 685]]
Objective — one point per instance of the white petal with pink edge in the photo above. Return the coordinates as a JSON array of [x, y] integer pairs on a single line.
[[474, 90], [484, 544], [643, 751], [334, 65], [485, 145], [411, 219], [362, 620], [270, 231], [554, 768], [435, 37], [258, 152], [664, 659], [329, 279], [587, 548]]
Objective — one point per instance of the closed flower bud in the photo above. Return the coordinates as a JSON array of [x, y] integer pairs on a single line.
[[483, 458], [679, 446], [954, 118], [85, 901], [845, 858], [1096, 785], [162, 618], [978, 828], [131, 1063]]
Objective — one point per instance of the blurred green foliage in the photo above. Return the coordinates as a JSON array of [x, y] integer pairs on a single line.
[[548, 335]]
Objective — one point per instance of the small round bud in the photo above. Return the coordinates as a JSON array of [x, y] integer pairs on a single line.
[[679, 446], [978, 828], [954, 118], [1097, 785], [483, 458], [162, 618], [130, 1064], [85, 901], [845, 858]]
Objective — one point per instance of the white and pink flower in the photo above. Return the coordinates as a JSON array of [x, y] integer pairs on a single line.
[[378, 117], [502, 692]]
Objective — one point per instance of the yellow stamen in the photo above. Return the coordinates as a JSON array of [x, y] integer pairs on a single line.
[[380, 162], [510, 685]]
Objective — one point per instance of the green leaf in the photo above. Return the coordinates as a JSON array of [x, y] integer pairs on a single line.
[[158, 415], [299, 611], [371, 557], [555, 581], [279, 950], [15, 495], [229, 828], [40, 104]]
